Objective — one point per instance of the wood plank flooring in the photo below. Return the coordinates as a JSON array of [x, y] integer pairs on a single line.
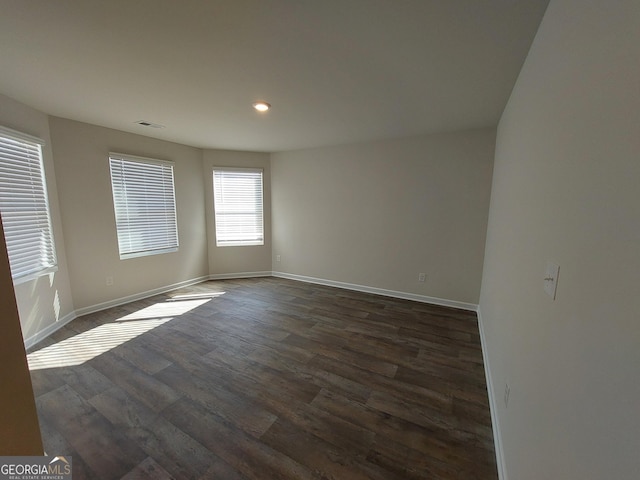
[[267, 379]]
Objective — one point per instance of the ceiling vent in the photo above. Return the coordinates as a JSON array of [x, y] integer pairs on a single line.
[[144, 123]]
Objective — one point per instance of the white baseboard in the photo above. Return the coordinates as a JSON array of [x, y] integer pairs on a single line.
[[493, 405], [379, 291], [230, 276], [138, 296], [45, 332]]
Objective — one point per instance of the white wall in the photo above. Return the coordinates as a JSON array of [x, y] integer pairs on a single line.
[[377, 214], [566, 188], [245, 259], [46, 300], [81, 153]]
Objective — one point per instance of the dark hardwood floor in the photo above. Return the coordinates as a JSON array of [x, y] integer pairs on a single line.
[[267, 379]]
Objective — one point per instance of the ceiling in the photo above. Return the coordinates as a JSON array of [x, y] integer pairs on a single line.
[[335, 71]]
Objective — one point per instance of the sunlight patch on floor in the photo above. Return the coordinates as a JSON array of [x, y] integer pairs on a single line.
[[187, 296], [87, 345], [170, 308]]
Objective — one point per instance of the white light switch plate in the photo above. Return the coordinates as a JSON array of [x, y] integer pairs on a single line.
[[551, 279]]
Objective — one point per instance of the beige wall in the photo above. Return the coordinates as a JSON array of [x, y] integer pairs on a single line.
[[378, 214], [566, 189], [245, 259], [82, 165], [46, 300]]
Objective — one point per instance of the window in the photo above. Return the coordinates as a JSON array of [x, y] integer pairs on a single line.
[[144, 203], [237, 197], [25, 207]]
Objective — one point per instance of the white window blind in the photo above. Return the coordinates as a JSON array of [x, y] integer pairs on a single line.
[[24, 206], [238, 207], [144, 203]]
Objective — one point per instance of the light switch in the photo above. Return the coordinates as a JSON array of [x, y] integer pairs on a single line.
[[551, 279]]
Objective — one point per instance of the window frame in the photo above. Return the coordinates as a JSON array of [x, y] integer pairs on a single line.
[[36, 205], [258, 241], [128, 251]]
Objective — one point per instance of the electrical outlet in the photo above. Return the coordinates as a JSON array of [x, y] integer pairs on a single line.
[[422, 277], [109, 281], [277, 258], [507, 392]]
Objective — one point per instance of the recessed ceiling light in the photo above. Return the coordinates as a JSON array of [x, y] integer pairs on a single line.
[[261, 106], [145, 123]]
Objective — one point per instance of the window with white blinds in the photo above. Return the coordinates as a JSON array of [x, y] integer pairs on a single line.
[[25, 207], [238, 207], [144, 204]]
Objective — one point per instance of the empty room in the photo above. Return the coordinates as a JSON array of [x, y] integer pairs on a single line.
[[341, 239]]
